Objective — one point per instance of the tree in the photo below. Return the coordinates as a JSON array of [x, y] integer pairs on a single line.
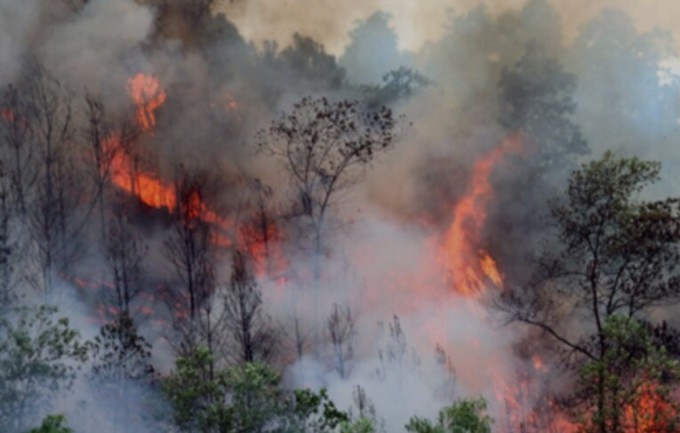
[[372, 51], [120, 359], [19, 158], [259, 234], [324, 147], [307, 58], [100, 155], [247, 324], [536, 99], [239, 399], [463, 416], [624, 86], [246, 398], [196, 393], [38, 357], [618, 256], [191, 252], [340, 333], [56, 192], [125, 258], [397, 84], [52, 424], [119, 353], [638, 376]]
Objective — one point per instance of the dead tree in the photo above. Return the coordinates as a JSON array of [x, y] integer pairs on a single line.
[[340, 333], [100, 153], [19, 158], [325, 147], [259, 232], [125, 257], [191, 252], [248, 325], [56, 193]]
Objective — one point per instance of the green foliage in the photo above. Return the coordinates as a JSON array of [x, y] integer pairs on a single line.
[[536, 98], [463, 416], [360, 425], [629, 386], [398, 84], [38, 357], [623, 253], [246, 398], [196, 396], [256, 399], [315, 412], [120, 353], [52, 424]]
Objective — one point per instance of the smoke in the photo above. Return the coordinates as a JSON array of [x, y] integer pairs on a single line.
[[17, 27], [225, 82]]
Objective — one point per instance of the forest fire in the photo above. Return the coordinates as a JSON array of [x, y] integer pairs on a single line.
[[149, 189], [148, 96], [419, 241], [8, 115], [470, 267]]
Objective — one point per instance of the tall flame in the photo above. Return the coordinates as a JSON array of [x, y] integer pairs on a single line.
[[148, 96], [470, 266]]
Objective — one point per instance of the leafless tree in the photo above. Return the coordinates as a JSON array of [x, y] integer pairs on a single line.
[[341, 332], [6, 214], [125, 258], [259, 232], [17, 133], [100, 153], [246, 321], [325, 147], [57, 188], [191, 252]]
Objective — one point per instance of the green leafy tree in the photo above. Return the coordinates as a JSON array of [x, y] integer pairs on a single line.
[[398, 84], [463, 416], [247, 398], [615, 255], [197, 397], [316, 412], [637, 375], [121, 362], [372, 50], [244, 398], [52, 424], [39, 357], [536, 99], [120, 353]]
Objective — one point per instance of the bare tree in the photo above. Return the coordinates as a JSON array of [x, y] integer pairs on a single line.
[[259, 233], [617, 258], [246, 321], [57, 188], [17, 134], [100, 153], [6, 251], [191, 252], [325, 147], [125, 258], [341, 332]]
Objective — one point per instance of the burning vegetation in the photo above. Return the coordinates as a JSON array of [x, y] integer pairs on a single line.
[[249, 237]]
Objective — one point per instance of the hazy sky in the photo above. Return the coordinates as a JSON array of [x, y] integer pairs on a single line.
[[328, 21]]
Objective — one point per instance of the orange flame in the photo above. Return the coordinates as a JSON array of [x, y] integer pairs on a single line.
[[8, 115], [471, 267], [264, 246], [148, 96], [148, 189]]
